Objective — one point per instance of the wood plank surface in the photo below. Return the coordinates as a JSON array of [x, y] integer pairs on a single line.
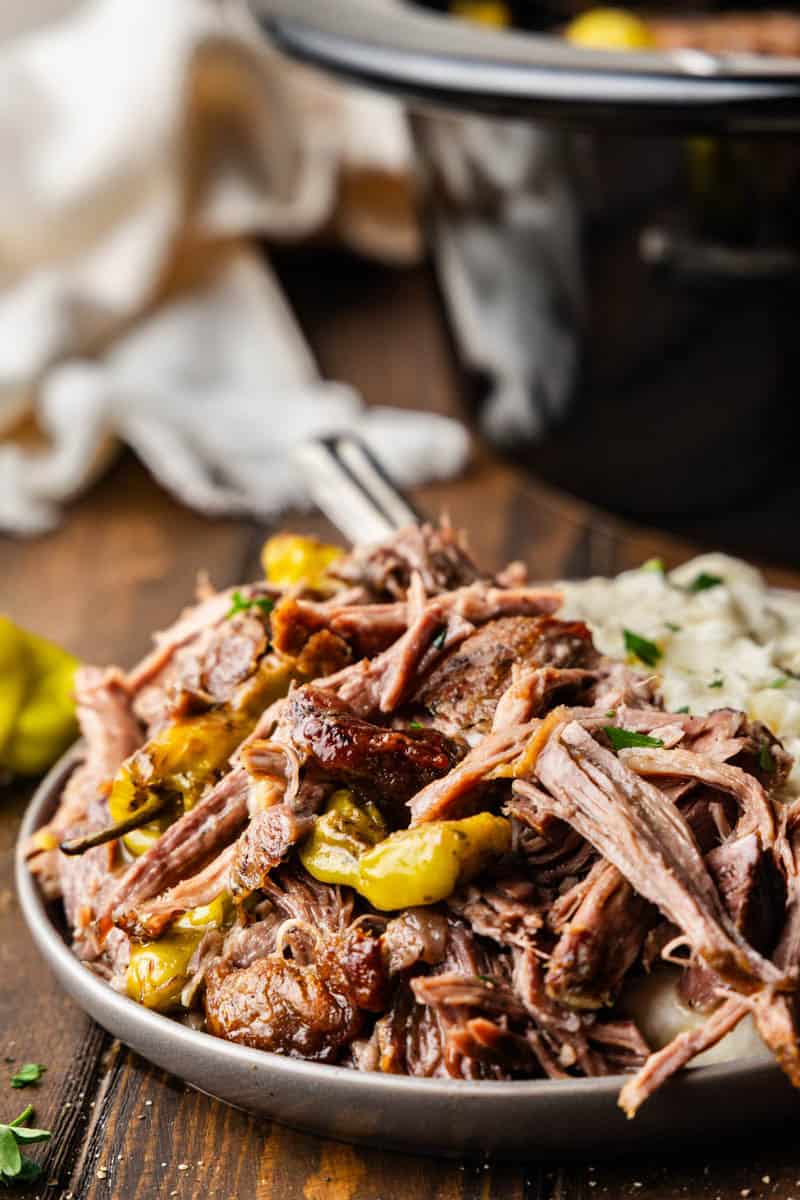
[[122, 564]]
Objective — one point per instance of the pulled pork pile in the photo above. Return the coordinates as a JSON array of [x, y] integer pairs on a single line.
[[415, 823]]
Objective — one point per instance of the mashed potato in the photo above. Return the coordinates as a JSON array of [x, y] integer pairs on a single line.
[[728, 644]]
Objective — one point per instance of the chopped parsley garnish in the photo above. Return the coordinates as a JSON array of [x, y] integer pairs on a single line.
[[244, 604], [622, 739], [716, 683], [704, 581], [28, 1073], [684, 708], [13, 1163], [415, 725], [646, 652], [765, 759], [672, 626], [486, 979], [779, 683], [439, 640], [655, 565], [612, 712]]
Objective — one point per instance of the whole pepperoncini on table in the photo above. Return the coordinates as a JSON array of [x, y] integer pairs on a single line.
[[37, 711]]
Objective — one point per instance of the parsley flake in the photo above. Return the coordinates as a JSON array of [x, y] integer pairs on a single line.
[[779, 683], [647, 652], [716, 683], [765, 759], [655, 565], [704, 581], [673, 627], [415, 725], [622, 739], [242, 603], [684, 708], [439, 640], [27, 1074], [13, 1163]]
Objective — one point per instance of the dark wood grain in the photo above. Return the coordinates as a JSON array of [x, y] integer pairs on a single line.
[[123, 563]]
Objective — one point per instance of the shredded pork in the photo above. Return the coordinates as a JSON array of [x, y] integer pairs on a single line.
[[426, 693]]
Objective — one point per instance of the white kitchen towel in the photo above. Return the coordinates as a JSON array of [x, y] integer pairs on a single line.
[[148, 141]]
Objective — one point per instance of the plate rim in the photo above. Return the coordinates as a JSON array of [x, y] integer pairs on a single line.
[[84, 984]]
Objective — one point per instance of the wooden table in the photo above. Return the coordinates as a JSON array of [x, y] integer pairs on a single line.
[[123, 563]]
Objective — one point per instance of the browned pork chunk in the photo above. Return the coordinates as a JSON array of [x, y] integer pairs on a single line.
[[393, 763], [305, 1010], [465, 686]]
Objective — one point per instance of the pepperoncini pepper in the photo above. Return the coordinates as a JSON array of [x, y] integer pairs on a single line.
[[177, 763], [332, 851], [289, 559], [494, 13], [158, 970], [610, 29], [184, 757], [37, 712], [408, 868], [427, 863]]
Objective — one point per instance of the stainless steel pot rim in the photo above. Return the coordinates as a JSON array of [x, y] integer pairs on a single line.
[[438, 60], [407, 28], [92, 992]]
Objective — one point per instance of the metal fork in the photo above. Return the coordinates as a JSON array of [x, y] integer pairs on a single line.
[[352, 489]]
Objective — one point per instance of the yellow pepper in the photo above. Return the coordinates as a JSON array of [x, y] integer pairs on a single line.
[[289, 559], [215, 915], [609, 29], [37, 711], [184, 757], [180, 759], [494, 13], [408, 868], [158, 970], [332, 851], [427, 863]]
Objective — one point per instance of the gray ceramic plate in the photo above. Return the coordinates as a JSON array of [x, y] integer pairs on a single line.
[[445, 1117]]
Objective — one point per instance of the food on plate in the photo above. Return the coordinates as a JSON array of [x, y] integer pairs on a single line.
[[609, 29], [776, 34], [37, 711], [387, 810]]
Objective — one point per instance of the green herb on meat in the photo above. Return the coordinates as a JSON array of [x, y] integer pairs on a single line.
[[244, 604], [622, 739]]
